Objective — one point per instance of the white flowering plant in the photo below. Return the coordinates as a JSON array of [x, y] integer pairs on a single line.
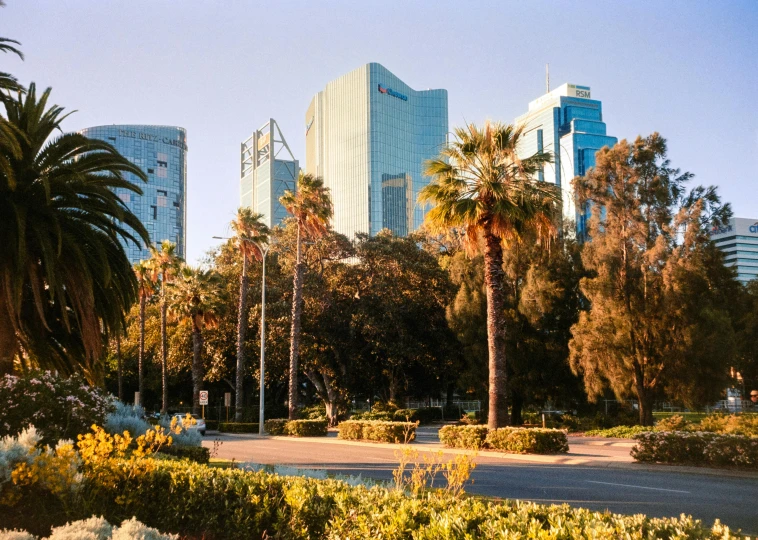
[[59, 407]]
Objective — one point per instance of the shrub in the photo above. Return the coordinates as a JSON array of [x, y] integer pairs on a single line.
[[424, 415], [59, 408], [237, 427], [95, 528], [383, 416], [211, 425], [470, 437], [198, 454], [376, 430], [697, 448], [672, 423], [180, 435], [127, 418], [742, 424], [528, 440], [276, 426], [618, 432], [314, 412], [306, 428]]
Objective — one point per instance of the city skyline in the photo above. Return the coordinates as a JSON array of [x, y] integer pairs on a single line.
[[674, 72]]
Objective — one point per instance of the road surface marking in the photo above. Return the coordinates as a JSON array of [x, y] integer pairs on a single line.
[[637, 487]]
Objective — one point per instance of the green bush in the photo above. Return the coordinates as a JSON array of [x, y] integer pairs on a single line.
[[276, 426], [384, 416], [198, 454], [237, 427], [697, 448], [618, 432], [211, 425], [306, 428], [470, 437], [672, 423], [424, 415], [377, 430], [237, 504], [314, 412], [528, 440]]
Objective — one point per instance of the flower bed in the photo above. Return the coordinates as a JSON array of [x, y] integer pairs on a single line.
[[237, 427], [509, 439], [698, 448], [377, 430]]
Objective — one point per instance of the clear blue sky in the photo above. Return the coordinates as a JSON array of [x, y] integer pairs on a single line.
[[220, 69]]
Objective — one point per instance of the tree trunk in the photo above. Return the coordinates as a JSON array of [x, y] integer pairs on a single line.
[[164, 348], [517, 404], [645, 400], [197, 369], [7, 341], [498, 379], [239, 395], [297, 309], [120, 369], [141, 353]]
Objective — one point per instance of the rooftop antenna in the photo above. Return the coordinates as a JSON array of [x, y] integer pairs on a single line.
[[547, 78]]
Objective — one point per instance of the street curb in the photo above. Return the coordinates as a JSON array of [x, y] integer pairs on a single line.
[[536, 458]]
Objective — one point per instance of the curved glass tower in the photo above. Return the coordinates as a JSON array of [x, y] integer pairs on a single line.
[[161, 152], [368, 135]]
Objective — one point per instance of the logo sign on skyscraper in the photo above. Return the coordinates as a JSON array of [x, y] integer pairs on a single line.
[[579, 91], [392, 93]]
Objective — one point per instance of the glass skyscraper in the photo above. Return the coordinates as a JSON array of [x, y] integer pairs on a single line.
[[268, 169], [739, 242], [569, 124], [368, 134], [161, 152]]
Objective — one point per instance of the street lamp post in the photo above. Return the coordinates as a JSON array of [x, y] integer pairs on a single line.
[[264, 251]]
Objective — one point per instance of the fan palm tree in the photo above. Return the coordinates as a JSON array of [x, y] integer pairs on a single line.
[[195, 295], [311, 207], [481, 187], [65, 280], [164, 263], [146, 288], [249, 233], [9, 134]]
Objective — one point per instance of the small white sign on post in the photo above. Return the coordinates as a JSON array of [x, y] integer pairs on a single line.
[[228, 399], [203, 397]]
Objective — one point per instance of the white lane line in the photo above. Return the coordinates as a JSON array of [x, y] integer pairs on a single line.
[[637, 487]]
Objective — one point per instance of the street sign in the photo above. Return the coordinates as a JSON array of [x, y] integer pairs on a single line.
[[137, 399], [228, 399], [203, 397]]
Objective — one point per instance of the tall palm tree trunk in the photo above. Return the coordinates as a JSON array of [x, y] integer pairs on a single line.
[[164, 347], [498, 379], [141, 353], [120, 369], [7, 340], [197, 368], [297, 309], [239, 398]]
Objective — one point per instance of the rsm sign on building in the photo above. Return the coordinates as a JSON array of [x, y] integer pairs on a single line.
[[736, 226]]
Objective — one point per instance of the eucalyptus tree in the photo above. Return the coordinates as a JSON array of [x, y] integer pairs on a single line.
[[196, 296], [311, 207], [482, 187], [249, 234], [164, 264], [65, 280]]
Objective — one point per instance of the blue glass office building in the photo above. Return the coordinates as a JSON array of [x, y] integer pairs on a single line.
[[161, 152], [368, 135], [739, 242], [569, 124]]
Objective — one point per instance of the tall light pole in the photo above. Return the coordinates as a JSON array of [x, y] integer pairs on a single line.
[[264, 251]]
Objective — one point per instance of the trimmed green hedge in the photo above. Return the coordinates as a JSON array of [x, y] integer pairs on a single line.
[[198, 454], [469, 437], [619, 432], [509, 439], [238, 427], [211, 425], [296, 428], [377, 430], [235, 504], [699, 448]]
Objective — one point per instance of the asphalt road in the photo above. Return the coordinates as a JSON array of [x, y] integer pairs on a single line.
[[660, 493]]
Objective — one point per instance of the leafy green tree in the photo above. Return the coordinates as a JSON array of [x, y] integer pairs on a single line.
[[65, 280], [482, 188], [657, 286], [249, 234], [164, 264], [747, 336], [196, 296], [311, 207]]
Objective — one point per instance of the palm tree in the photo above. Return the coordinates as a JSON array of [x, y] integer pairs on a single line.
[[164, 263], [311, 207], [249, 233], [196, 296], [481, 187], [65, 280], [146, 288]]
